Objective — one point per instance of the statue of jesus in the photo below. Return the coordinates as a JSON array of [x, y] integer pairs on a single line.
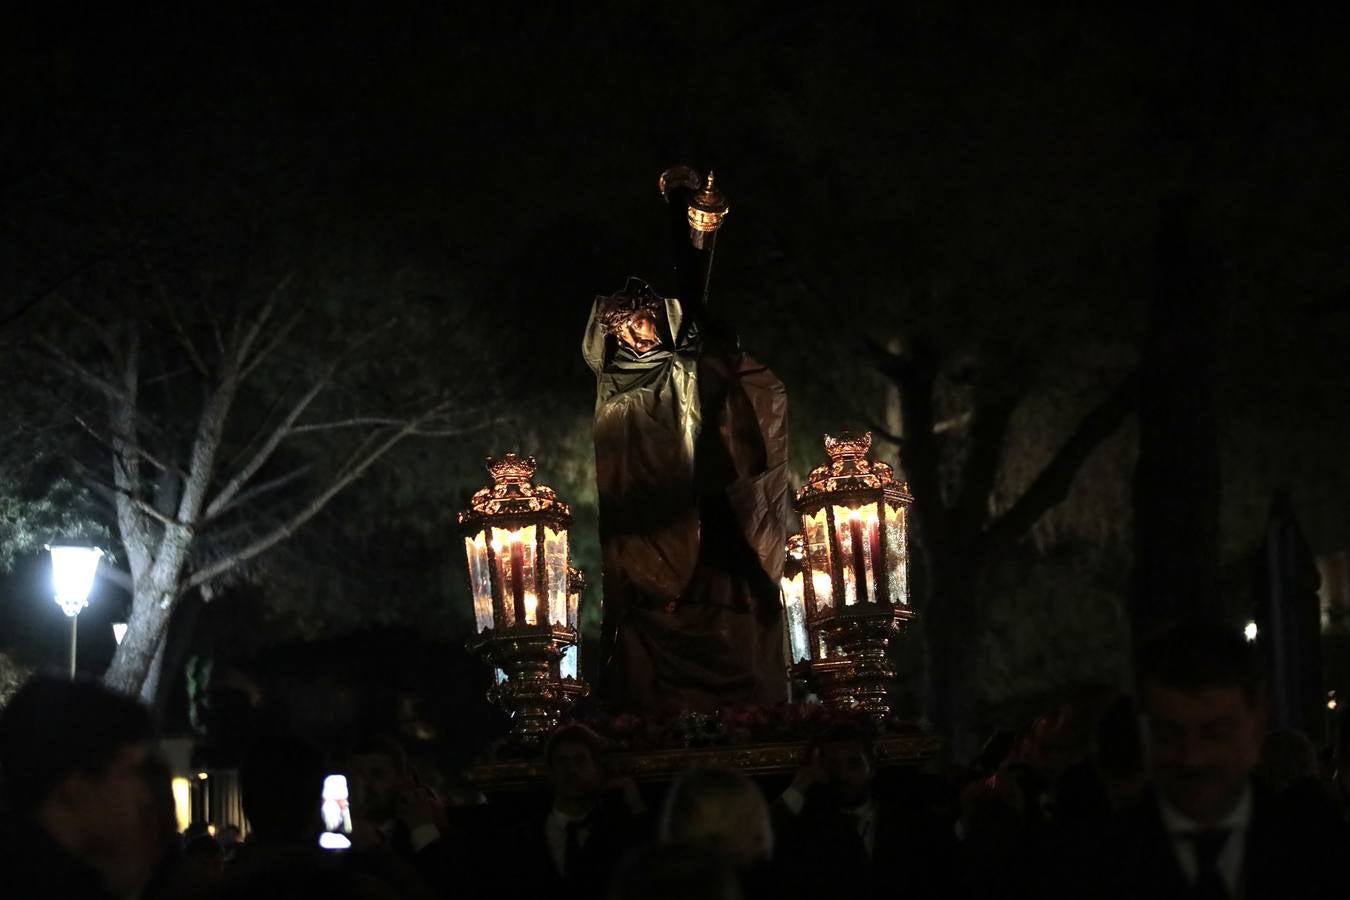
[[691, 466]]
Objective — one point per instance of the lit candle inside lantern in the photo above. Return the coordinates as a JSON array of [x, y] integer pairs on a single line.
[[874, 546], [518, 576], [855, 527], [531, 608]]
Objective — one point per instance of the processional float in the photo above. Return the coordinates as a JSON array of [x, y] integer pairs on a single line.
[[703, 590]]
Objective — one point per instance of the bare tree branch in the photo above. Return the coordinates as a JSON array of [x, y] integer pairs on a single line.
[[213, 319], [269, 446], [353, 470], [993, 411], [880, 431], [98, 329], [206, 444], [82, 373], [120, 494], [169, 376], [356, 422], [254, 328], [122, 415], [61, 283], [397, 422], [1052, 485], [279, 336], [456, 432], [180, 333], [109, 444], [255, 491]]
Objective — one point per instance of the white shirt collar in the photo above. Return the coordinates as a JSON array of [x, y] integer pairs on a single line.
[[1176, 822]]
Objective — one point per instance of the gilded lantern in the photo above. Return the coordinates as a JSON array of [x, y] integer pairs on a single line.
[[525, 604], [516, 543], [855, 579]]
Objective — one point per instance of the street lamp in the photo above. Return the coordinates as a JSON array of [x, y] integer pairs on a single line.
[[73, 570], [525, 598], [855, 574]]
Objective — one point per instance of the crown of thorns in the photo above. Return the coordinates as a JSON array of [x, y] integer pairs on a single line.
[[636, 296]]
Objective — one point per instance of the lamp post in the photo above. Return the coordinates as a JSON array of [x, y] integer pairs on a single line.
[[73, 570], [854, 575], [525, 600]]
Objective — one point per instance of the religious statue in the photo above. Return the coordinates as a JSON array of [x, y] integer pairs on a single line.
[[691, 466]]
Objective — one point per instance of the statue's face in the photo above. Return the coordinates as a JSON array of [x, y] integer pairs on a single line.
[[640, 332]]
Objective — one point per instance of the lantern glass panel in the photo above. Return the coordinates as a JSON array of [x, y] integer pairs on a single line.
[[897, 553], [515, 552], [794, 602], [555, 568], [818, 558], [573, 608], [475, 549], [859, 548], [821, 650], [567, 667]]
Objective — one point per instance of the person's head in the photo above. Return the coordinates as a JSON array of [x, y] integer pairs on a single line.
[[76, 762], [379, 773], [674, 872], [281, 783], [845, 756], [722, 810], [1205, 710], [575, 767]]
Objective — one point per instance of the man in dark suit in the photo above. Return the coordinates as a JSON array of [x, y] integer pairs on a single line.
[[838, 837], [592, 823], [1205, 830], [395, 813]]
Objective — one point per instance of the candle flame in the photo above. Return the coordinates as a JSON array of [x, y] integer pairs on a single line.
[[512, 537]]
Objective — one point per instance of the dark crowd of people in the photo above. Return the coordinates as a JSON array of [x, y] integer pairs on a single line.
[[1176, 790]]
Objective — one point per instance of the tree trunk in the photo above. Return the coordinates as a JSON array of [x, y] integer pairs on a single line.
[[150, 687], [951, 629], [145, 628]]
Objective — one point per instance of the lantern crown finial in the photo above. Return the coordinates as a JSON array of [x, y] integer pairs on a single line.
[[511, 469], [850, 469], [513, 492], [847, 446]]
